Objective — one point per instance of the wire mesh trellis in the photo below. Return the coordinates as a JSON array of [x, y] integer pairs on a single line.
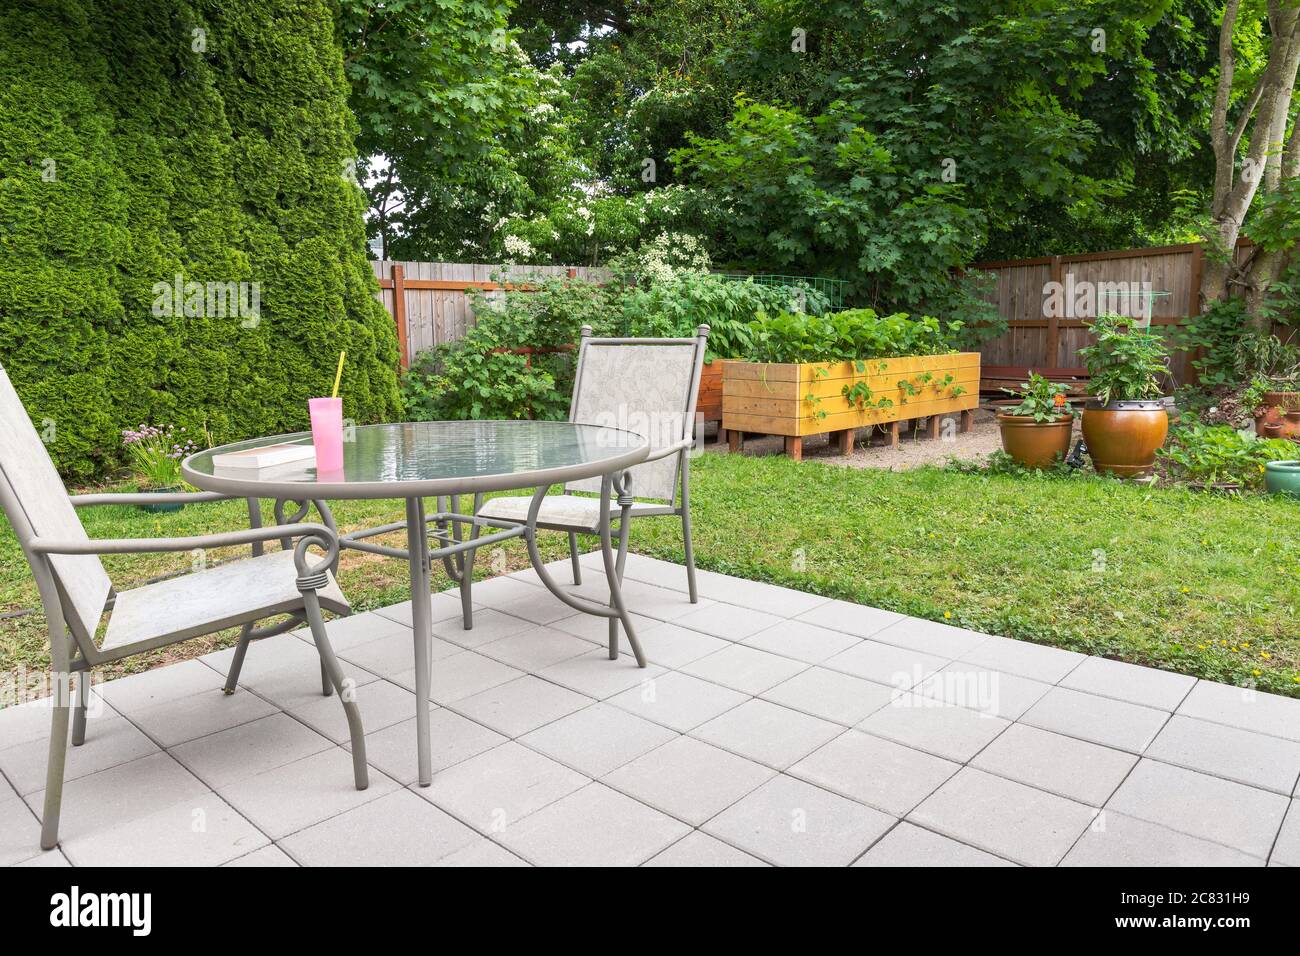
[[831, 289]]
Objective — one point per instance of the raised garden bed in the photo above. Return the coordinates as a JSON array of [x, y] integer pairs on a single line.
[[709, 405], [798, 400]]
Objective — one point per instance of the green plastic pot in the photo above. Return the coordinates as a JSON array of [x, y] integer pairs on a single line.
[[163, 508], [1282, 478]]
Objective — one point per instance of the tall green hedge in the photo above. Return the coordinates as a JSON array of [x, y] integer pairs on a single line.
[[208, 139]]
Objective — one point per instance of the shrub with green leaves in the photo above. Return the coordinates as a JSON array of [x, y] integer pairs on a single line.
[[162, 138], [1220, 454], [793, 337], [1127, 362]]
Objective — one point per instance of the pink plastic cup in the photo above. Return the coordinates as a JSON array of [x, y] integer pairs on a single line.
[[327, 433]]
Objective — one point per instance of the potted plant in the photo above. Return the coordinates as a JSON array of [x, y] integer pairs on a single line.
[[1275, 402], [1036, 432], [1127, 421], [1282, 478], [156, 453]]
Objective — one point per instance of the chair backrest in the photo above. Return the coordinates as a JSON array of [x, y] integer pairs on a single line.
[[36, 504], [647, 386]]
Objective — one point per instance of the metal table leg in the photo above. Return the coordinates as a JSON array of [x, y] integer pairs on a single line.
[[417, 545]]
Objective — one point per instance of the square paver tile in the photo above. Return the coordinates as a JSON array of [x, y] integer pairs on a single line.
[[791, 823], [856, 619], [595, 675], [700, 849], [532, 602], [801, 641], [930, 637], [307, 791], [1147, 686], [598, 739], [831, 695], [1286, 850], [453, 738], [30, 721], [268, 856], [768, 598], [462, 675], [1245, 708], [395, 654], [162, 684], [669, 645], [380, 703], [1081, 771], [595, 826], [108, 743], [678, 700], [519, 706], [769, 733], [347, 632], [662, 604], [398, 829], [1119, 840], [20, 830], [489, 625], [444, 605], [728, 621], [745, 669], [537, 648], [688, 779], [55, 859], [939, 728], [496, 789], [268, 661], [885, 664], [1199, 805], [202, 831], [595, 629], [482, 852], [1102, 720], [177, 721], [222, 758], [121, 794], [988, 691], [910, 845], [1049, 664], [1006, 818], [1260, 760], [879, 773]]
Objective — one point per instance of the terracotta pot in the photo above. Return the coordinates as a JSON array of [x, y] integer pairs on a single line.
[[1282, 478], [1287, 401], [1035, 444], [1122, 437]]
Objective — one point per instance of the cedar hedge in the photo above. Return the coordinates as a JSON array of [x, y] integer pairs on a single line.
[[208, 140]]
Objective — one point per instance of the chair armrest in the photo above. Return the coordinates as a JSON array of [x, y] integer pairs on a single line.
[[328, 538], [147, 498], [672, 449]]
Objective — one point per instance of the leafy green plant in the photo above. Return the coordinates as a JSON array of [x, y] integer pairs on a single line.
[[1219, 454], [851, 335], [1127, 361], [1040, 399], [156, 451]]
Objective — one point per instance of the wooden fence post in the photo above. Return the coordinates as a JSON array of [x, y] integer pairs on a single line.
[[399, 313]]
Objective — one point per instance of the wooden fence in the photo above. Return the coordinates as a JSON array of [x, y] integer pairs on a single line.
[[1047, 339], [429, 301]]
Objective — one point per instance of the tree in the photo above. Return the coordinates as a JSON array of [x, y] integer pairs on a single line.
[[1265, 39]]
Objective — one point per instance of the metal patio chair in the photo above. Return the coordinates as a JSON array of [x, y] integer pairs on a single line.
[[648, 386], [75, 590]]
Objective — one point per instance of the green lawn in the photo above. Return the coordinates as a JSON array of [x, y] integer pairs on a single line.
[[1201, 584]]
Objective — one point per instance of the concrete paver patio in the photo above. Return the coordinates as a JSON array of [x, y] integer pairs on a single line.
[[771, 727]]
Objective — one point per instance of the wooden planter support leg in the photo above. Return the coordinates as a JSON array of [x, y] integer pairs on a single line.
[[736, 440], [794, 447], [932, 428], [893, 434], [967, 420], [843, 440]]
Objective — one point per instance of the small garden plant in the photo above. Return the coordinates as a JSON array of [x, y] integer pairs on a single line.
[[1041, 399], [155, 452], [1220, 456]]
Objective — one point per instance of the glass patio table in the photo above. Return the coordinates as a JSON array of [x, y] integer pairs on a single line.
[[445, 460]]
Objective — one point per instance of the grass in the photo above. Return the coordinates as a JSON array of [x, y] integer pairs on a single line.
[[1202, 584]]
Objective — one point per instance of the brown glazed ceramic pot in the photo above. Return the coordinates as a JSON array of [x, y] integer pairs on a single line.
[[1123, 436], [1035, 444]]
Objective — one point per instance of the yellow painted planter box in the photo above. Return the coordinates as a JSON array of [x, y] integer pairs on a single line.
[[772, 399]]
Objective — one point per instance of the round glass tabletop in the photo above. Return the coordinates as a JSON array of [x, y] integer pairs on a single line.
[[423, 459]]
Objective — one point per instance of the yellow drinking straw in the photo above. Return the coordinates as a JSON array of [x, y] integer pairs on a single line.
[[338, 376]]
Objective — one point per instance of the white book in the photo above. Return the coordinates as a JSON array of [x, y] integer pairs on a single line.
[[267, 456]]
